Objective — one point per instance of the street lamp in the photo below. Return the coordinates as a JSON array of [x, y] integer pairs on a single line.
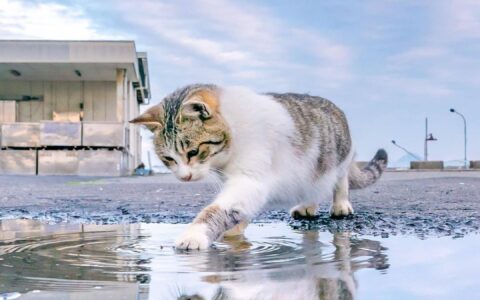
[[408, 152], [465, 136]]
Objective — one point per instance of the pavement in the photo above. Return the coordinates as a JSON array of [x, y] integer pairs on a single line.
[[420, 203]]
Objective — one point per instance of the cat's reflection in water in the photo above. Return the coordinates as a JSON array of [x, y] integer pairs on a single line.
[[289, 272]]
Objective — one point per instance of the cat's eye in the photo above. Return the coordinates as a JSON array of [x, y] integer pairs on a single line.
[[192, 153], [168, 158], [203, 155]]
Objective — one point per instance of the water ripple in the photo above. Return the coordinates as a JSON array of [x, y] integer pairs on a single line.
[[86, 258]]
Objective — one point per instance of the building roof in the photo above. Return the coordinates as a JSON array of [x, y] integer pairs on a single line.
[[74, 61]]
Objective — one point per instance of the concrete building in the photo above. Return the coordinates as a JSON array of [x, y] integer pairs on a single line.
[[65, 107]]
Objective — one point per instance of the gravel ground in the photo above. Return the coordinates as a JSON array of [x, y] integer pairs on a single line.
[[420, 203]]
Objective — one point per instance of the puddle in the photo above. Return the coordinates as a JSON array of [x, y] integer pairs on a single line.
[[272, 261]]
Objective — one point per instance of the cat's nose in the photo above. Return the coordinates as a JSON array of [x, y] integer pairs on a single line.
[[187, 178]]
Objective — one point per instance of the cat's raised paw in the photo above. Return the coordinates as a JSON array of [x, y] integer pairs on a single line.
[[195, 238], [341, 209], [303, 211]]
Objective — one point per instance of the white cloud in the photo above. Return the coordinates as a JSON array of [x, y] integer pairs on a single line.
[[324, 49], [461, 18], [43, 20], [206, 47], [250, 24], [168, 24], [243, 41], [440, 61]]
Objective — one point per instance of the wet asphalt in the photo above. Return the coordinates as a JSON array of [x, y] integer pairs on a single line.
[[419, 203]]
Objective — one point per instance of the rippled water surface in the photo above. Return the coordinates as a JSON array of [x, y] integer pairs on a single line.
[[272, 261]]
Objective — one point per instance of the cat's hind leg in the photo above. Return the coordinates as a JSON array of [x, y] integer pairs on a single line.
[[341, 205], [304, 211]]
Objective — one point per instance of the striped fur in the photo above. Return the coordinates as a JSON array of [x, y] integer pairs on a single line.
[[218, 220], [318, 120], [361, 178]]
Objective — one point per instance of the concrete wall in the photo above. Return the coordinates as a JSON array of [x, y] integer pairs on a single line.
[[98, 97], [63, 162], [24, 134], [103, 101], [475, 164], [18, 162], [82, 162], [8, 111], [426, 165]]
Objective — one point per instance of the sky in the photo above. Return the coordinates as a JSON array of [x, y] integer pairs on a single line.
[[387, 64]]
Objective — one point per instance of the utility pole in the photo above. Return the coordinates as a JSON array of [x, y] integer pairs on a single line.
[[428, 138], [425, 148]]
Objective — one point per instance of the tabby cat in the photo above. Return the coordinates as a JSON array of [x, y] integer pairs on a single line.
[[270, 149]]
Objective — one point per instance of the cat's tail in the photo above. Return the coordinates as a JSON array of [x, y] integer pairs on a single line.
[[360, 178]]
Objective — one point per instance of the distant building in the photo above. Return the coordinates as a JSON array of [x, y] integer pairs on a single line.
[[65, 107]]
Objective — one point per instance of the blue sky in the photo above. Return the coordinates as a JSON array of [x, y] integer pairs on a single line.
[[387, 64]]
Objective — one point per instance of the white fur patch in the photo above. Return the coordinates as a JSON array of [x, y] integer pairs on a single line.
[[194, 238], [304, 211], [341, 209]]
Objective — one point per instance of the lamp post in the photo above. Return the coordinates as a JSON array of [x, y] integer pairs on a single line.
[[408, 152], [465, 162]]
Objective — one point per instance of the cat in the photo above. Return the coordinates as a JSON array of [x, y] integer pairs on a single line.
[[270, 149]]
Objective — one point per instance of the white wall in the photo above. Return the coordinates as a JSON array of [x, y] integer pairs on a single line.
[[132, 111]]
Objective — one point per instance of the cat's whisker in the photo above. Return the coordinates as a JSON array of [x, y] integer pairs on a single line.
[[213, 182], [217, 182]]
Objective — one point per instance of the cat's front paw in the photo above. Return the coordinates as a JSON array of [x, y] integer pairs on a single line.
[[303, 211], [195, 238], [341, 209]]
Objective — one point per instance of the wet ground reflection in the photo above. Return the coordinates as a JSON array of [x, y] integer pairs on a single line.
[[273, 261]]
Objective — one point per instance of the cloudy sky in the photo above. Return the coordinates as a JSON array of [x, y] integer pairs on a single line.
[[387, 64]]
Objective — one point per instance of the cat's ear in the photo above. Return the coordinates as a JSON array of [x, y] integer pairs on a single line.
[[152, 118], [202, 104]]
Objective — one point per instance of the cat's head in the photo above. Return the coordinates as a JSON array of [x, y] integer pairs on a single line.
[[190, 135]]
